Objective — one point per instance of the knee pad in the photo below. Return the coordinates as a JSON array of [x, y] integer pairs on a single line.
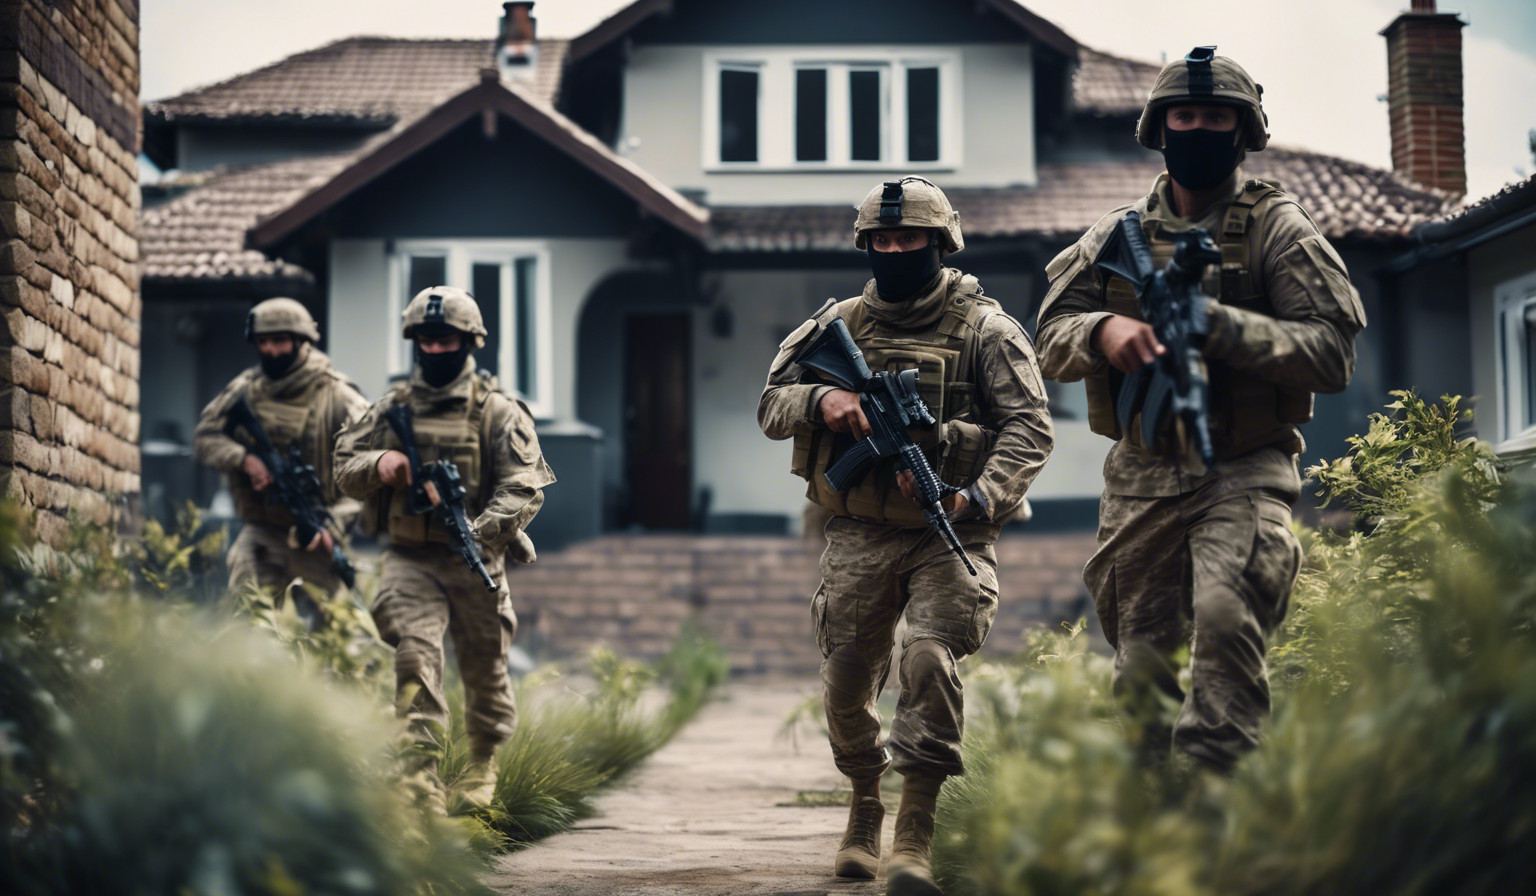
[[848, 674], [926, 659]]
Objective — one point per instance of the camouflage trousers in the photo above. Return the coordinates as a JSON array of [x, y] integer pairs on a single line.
[[872, 575], [261, 555], [1213, 570], [426, 593]]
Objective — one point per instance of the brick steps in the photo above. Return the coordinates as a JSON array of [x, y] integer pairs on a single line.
[[634, 593]]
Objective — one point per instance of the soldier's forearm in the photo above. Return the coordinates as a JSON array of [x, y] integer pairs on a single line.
[[357, 475], [1065, 346], [1311, 354], [509, 512], [218, 452], [1023, 445], [784, 409]]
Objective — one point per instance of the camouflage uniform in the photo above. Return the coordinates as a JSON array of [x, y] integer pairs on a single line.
[[1185, 550], [308, 404], [977, 373], [426, 590]]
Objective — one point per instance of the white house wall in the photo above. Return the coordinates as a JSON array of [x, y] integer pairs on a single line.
[[663, 129], [362, 326]]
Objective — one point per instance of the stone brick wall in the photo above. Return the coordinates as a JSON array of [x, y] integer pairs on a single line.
[[635, 592], [69, 295]]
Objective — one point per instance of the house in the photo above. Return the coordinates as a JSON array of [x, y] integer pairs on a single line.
[[646, 209], [1478, 264]]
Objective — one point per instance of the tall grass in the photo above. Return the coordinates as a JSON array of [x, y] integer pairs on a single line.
[[1402, 755], [565, 749], [152, 744]]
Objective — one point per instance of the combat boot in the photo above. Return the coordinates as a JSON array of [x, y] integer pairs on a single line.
[[478, 785], [909, 872], [859, 855]]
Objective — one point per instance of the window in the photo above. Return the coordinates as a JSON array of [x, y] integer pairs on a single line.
[[811, 115], [509, 279], [738, 113], [1516, 309], [842, 108]]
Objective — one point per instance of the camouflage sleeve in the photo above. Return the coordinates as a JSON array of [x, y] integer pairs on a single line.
[[788, 404], [1309, 343], [1072, 309], [356, 459], [210, 446], [519, 474], [347, 407], [1014, 407]]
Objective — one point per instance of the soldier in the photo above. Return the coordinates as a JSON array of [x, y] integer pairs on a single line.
[[1185, 550], [299, 399], [978, 375], [426, 590]]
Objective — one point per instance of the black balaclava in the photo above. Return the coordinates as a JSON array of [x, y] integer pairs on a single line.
[[441, 368], [902, 275], [278, 366], [1200, 159]]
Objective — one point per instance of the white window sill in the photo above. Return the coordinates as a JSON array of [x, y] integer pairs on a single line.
[[818, 168]]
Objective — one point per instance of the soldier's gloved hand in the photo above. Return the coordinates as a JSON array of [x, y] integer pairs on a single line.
[[257, 471], [841, 411], [908, 484], [322, 542], [394, 469], [1129, 344]]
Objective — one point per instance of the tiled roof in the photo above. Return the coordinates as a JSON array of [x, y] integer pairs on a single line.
[[1111, 85], [1348, 200], [361, 80], [200, 235]]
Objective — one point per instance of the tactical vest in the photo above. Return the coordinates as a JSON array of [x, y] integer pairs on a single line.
[[454, 435], [288, 421], [1246, 413], [945, 357]]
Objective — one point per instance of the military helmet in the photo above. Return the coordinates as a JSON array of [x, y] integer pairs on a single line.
[[281, 316], [1202, 78], [444, 306], [909, 202]]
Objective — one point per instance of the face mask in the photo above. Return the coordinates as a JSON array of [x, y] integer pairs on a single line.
[[1200, 159], [274, 366], [901, 275], [442, 368]]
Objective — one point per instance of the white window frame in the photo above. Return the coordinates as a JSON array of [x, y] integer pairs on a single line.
[[461, 256], [776, 67], [1509, 378]]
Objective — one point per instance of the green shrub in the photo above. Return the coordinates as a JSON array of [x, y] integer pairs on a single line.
[[1401, 755]]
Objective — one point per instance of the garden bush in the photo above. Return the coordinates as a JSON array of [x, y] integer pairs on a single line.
[[1402, 754]]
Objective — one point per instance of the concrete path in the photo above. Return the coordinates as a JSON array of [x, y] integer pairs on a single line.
[[713, 812]]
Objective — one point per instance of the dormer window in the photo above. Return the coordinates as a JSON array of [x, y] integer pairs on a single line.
[[810, 108]]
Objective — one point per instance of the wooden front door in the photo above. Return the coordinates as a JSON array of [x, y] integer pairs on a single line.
[[657, 437]]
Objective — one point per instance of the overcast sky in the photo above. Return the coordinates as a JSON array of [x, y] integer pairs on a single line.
[[1322, 62]]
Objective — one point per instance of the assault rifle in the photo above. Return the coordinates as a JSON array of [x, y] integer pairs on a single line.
[[444, 476], [891, 404], [294, 482], [1171, 301]]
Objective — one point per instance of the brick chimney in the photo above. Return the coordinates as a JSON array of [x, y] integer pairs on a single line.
[[1424, 97], [516, 49]]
